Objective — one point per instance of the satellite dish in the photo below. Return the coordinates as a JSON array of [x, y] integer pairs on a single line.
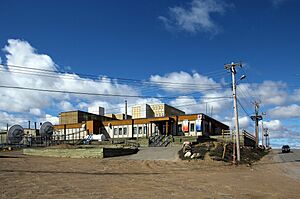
[[15, 134], [46, 129]]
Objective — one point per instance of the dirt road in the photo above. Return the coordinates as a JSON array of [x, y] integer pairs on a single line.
[[40, 177]]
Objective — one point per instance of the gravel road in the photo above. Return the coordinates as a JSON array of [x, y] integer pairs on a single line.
[[289, 163], [155, 153]]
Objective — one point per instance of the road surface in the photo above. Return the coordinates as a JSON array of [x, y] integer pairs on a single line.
[[154, 153], [289, 163]]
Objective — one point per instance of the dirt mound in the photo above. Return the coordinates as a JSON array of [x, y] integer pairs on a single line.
[[221, 151]]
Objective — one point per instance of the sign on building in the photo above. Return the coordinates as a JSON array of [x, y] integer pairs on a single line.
[[185, 126], [198, 125]]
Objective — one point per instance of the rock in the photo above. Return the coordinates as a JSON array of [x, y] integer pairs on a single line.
[[186, 148], [187, 154], [186, 143], [195, 155]]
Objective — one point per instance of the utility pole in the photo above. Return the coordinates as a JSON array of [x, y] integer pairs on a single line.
[[266, 135], [231, 68], [256, 118]]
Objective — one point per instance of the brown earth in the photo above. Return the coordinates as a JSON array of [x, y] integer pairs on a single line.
[[40, 177]]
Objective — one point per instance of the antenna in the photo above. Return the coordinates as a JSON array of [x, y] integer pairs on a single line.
[[15, 134], [46, 129]]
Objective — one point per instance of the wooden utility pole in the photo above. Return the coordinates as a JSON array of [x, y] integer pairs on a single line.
[[231, 68], [256, 118], [256, 122]]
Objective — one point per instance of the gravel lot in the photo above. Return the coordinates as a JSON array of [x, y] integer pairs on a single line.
[[41, 177]]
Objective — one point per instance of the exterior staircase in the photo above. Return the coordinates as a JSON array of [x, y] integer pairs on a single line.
[[160, 141]]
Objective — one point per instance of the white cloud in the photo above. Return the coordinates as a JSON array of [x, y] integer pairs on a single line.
[[187, 104], [268, 92], [21, 53], [295, 97], [19, 106], [196, 17], [291, 111], [273, 125], [10, 119], [35, 111], [66, 106], [53, 119], [194, 82], [244, 122]]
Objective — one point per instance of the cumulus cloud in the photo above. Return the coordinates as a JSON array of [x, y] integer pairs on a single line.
[[194, 82], [19, 106], [10, 119], [295, 96], [244, 122], [66, 106], [53, 119], [21, 53], [31, 104], [195, 17], [291, 111], [188, 104], [268, 92], [35, 111], [273, 125]]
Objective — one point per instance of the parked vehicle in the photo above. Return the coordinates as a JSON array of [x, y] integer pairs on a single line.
[[285, 149]]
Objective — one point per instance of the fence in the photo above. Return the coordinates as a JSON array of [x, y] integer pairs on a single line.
[[43, 141]]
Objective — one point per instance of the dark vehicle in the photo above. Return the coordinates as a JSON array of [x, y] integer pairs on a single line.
[[285, 149]]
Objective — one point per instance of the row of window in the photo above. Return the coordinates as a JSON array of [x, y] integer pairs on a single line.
[[123, 131], [120, 131], [140, 130]]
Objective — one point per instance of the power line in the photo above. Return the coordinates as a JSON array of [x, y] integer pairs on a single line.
[[103, 76], [243, 108], [147, 86], [98, 94]]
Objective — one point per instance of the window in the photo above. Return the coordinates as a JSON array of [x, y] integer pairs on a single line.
[[115, 131], [179, 127], [125, 131], [120, 131], [134, 130], [192, 127], [145, 130], [140, 130]]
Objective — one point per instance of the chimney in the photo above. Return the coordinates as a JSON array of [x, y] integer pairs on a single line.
[[125, 109]]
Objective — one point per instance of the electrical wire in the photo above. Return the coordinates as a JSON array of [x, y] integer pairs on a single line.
[[243, 108], [97, 94], [103, 76]]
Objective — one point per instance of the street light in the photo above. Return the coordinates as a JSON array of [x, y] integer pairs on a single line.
[[242, 77]]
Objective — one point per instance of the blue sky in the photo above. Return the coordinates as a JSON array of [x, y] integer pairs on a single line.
[[171, 40]]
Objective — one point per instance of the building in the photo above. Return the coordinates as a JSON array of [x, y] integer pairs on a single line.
[[154, 110], [74, 117], [185, 125], [142, 111], [146, 121], [119, 116]]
